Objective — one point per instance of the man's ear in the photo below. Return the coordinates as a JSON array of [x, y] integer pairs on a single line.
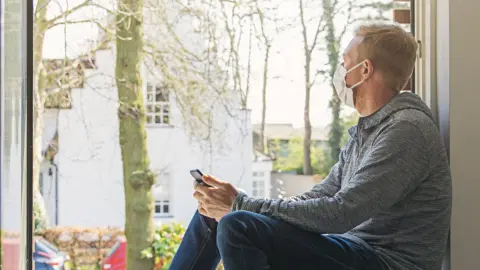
[[367, 69]]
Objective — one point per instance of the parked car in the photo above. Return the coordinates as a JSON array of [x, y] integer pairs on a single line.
[[115, 258], [46, 255], [49, 257]]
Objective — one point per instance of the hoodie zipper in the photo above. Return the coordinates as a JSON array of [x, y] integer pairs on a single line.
[[359, 137]]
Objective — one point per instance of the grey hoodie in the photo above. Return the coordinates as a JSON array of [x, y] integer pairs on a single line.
[[391, 189]]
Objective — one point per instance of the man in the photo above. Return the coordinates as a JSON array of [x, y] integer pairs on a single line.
[[386, 204]]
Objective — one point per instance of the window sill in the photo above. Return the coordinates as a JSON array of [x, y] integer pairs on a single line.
[[159, 126], [160, 216]]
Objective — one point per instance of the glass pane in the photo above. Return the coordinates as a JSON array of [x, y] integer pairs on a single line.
[[158, 108], [149, 119], [149, 89], [12, 178], [160, 95], [150, 108], [166, 208], [158, 119], [166, 108], [157, 208], [149, 97], [165, 119]]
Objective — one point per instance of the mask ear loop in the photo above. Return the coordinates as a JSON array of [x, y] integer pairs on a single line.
[[354, 67]]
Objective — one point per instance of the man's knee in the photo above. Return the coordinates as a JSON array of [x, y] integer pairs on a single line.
[[234, 220], [234, 224]]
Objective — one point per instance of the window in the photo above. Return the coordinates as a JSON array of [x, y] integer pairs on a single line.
[[258, 184], [162, 208], [258, 174], [16, 134], [157, 105], [162, 196]]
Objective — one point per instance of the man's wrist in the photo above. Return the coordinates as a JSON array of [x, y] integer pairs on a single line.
[[237, 201]]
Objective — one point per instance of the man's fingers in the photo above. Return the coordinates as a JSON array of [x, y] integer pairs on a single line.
[[199, 196], [213, 181], [206, 191]]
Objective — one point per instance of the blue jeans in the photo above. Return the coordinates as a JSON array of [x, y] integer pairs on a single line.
[[246, 240]]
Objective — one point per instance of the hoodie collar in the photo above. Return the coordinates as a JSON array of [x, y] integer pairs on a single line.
[[401, 101]]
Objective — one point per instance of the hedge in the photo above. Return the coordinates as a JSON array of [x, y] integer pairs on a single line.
[[86, 246]]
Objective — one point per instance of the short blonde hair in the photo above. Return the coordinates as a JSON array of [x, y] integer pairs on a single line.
[[392, 51]]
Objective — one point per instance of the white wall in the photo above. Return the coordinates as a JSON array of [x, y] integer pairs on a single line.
[[458, 110], [89, 159]]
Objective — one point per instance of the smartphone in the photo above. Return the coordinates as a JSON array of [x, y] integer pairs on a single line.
[[197, 175]]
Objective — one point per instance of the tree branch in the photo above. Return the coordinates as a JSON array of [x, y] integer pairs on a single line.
[[69, 11]]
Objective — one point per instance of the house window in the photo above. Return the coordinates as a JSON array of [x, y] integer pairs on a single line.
[[258, 184], [258, 174], [162, 208], [161, 193], [158, 107]]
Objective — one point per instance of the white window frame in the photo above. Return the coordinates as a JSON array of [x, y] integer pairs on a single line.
[[426, 65], [259, 184], [162, 204], [151, 102], [163, 200]]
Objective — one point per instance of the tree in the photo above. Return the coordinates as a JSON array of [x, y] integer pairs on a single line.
[[266, 41], [290, 157], [309, 47], [138, 179], [333, 47]]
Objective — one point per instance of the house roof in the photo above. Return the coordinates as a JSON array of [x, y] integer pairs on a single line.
[[287, 131]]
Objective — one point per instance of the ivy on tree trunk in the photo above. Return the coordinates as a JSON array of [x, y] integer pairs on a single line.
[[138, 179]]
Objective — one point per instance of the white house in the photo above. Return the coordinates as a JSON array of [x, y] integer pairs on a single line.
[[83, 184], [262, 167]]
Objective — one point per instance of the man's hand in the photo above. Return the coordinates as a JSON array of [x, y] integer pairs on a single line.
[[215, 201]]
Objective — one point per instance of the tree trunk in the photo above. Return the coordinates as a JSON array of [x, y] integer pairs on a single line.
[[307, 144], [264, 98], [40, 27], [336, 130], [307, 139], [137, 177]]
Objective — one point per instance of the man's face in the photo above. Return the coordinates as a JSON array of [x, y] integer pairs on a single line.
[[350, 59]]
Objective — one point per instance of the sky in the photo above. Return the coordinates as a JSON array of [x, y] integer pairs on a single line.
[[285, 94]]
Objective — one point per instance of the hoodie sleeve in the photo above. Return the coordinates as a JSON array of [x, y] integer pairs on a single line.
[[327, 188], [395, 165]]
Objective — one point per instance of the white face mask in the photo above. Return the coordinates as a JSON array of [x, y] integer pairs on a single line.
[[345, 93]]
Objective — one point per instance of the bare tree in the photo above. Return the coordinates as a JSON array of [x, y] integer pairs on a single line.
[[309, 47], [266, 40]]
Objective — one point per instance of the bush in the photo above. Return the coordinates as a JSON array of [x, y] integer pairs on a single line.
[[166, 242], [85, 246], [167, 239]]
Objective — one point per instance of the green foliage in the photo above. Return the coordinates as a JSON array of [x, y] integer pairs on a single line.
[[290, 156], [167, 239]]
